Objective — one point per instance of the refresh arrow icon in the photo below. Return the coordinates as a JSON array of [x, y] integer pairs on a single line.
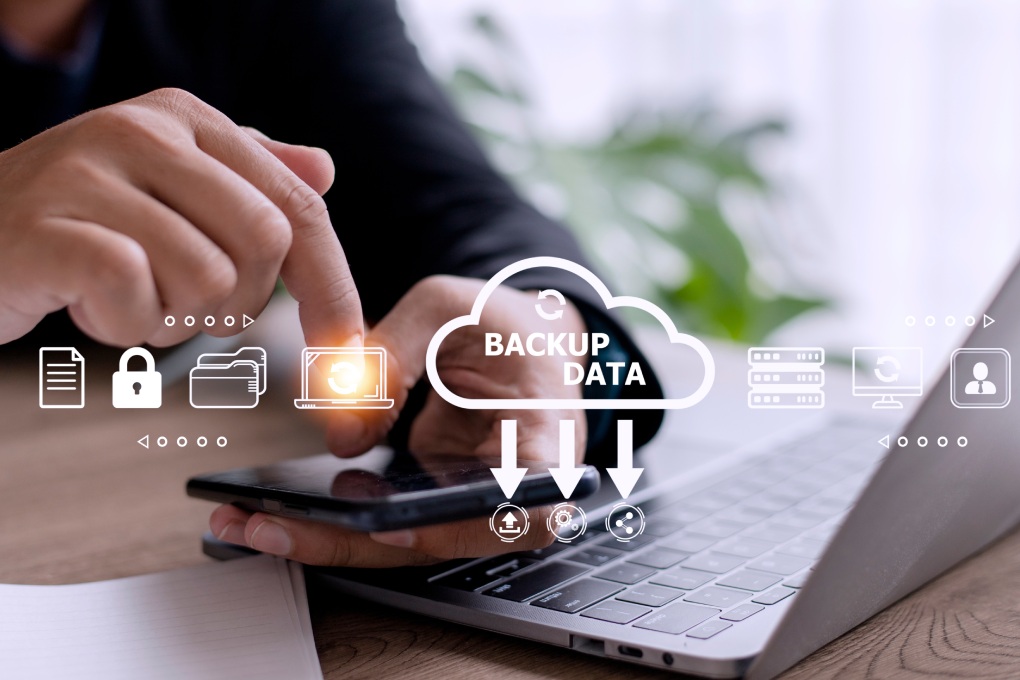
[[554, 315]]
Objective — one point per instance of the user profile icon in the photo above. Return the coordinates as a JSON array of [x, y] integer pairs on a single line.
[[625, 522], [980, 378], [567, 522]]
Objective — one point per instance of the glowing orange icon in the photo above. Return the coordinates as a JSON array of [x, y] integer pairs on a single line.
[[343, 378]]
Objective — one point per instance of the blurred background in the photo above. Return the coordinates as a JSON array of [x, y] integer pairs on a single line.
[[793, 172]]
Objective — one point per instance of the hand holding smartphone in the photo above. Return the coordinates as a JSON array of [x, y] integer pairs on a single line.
[[382, 490]]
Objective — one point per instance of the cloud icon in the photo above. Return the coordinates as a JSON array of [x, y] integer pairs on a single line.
[[611, 302]]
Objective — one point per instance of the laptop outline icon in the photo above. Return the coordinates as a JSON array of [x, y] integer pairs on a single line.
[[308, 357]]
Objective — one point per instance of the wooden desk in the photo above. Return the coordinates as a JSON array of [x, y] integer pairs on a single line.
[[80, 500]]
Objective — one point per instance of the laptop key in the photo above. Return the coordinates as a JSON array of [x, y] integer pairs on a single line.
[[716, 563], [676, 618], [660, 558], [688, 542], [659, 527], [532, 583], [742, 515], [783, 565], [774, 533], [755, 581], [577, 595], [775, 595], [797, 581], [484, 573], [629, 545], [717, 597], [708, 629], [682, 578], [650, 595], [719, 528], [548, 551], [742, 611], [626, 573], [594, 556], [744, 547], [615, 611], [807, 548]]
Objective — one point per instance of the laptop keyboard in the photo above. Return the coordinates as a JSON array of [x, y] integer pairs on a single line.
[[708, 559]]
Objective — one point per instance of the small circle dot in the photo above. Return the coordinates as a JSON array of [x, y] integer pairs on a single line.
[[221, 442], [922, 442], [902, 441], [961, 442], [161, 442], [630, 515], [950, 320], [929, 320], [210, 321], [970, 321], [229, 321], [201, 441], [182, 441], [910, 321], [942, 442], [170, 320], [189, 321]]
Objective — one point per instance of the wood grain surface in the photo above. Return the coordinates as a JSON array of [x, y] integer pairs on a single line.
[[80, 500]]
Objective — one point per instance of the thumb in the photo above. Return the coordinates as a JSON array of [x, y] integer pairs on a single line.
[[313, 165]]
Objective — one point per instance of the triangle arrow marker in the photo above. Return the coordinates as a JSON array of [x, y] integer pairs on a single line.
[[566, 475], [508, 475], [246, 321], [884, 441], [988, 321], [625, 475], [144, 441]]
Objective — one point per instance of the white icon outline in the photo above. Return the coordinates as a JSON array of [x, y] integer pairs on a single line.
[[77, 363], [310, 354], [611, 302], [216, 367], [632, 512], [1007, 378], [507, 507], [563, 515], [887, 369], [786, 378]]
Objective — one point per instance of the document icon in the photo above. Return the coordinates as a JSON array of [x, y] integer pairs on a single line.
[[229, 380], [61, 378]]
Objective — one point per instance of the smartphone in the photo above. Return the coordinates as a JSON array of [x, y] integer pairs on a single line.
[[381, 490]]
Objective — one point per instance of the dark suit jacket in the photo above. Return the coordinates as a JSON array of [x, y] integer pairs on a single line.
[[413, 195]]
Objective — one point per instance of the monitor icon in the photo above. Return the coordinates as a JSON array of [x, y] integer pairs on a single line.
[[343, 378], [888, 372]]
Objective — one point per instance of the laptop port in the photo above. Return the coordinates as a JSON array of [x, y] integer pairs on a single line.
[[588, 645], [630, 651]]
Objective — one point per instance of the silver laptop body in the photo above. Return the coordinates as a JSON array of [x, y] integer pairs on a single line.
[[759, 560]]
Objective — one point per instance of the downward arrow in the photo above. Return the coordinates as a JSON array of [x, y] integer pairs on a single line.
[[508, 474], [566, 475], [625, 475]]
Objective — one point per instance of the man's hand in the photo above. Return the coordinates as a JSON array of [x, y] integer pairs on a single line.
[[439, 429], [160, 206]]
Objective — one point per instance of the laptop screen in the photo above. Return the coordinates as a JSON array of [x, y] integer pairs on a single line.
[[344, 373]]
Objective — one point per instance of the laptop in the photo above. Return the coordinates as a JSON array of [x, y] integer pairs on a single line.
[[749, 564], [343, 377]]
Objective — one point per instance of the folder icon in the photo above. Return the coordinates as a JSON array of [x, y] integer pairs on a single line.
[[229, 380]]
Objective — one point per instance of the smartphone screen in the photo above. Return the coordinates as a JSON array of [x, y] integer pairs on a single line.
[[380, 490]]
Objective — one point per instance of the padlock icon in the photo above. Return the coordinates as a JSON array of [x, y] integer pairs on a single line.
[[137, 389]]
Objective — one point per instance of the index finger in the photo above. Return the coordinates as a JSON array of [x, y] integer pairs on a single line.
[[315, 270]]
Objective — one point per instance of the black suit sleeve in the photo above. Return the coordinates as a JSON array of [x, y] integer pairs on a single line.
[[414, 194]]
